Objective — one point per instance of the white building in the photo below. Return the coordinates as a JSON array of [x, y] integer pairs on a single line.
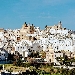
[[3, 54]]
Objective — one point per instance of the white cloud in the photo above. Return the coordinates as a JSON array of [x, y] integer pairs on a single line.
[[23, 16], [44, 16]]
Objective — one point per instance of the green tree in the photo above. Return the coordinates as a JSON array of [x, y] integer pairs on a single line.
[[72, 71]]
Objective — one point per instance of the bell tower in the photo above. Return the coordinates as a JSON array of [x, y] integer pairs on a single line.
[[60, 24]]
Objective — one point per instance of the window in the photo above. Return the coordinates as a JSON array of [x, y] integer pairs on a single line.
[[52, 55], [4, 54], [57, 47], [60, 55], [31, 47], [55, 55], [50, 60], [68, 50]]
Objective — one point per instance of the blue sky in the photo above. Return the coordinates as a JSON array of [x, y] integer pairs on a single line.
[[13, 13]]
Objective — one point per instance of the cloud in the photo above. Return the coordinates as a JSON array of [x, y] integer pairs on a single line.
[[23, 16], [44, 16]]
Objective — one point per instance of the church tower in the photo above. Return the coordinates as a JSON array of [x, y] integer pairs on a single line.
[[60, 24]]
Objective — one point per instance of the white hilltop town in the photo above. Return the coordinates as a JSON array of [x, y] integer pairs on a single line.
[[54, 40], [49, 44]]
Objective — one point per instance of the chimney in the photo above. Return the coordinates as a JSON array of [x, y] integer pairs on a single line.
[[25, 22], [60, 22], [32, 24]]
